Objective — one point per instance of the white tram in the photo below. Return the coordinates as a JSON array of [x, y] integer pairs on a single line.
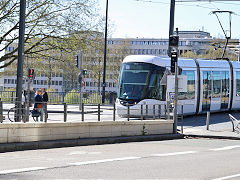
[[213, 85]]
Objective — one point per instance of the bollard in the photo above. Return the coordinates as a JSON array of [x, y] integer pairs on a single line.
[[207, 120], [154, 112], [114, 111], [168, 110], [24, 115], [98, 112], [82, 111], [141, 112], [165, 107], [128, 112], [64, 115], [46, 114], [182, 120], [159, 111], [146, 111], [1, 111]]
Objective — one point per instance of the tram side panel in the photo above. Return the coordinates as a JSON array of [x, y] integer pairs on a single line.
[[236, 89], [189, 99], [215, 90]]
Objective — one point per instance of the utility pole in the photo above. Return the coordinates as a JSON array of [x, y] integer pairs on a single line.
[[173, 43], [175, 116], [20, 60], [171, 24], [105, 56], [79, 66]]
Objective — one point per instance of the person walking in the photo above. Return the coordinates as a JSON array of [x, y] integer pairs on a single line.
[[39, 103], [45, 99]]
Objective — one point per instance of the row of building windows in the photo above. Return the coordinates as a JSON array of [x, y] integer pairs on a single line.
[[159, 43], [45, 82], [11, 81], [95, 84], [108, 76], [37, 82], [149, 51], [9, 49]]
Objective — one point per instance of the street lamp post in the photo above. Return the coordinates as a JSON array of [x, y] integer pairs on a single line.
[[20, 60], [105, 56]]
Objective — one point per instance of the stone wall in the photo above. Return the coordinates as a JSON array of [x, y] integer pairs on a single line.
[[28, 132]]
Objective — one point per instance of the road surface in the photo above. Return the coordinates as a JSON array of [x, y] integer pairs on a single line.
[[174, 159]]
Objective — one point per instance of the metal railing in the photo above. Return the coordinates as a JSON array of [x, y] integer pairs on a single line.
[[71, 97], [70, 113]]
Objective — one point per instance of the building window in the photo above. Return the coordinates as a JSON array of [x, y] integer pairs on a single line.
[[60, 83], [5, 81]]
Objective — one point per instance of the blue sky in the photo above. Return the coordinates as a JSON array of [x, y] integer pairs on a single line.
[[150, 19]]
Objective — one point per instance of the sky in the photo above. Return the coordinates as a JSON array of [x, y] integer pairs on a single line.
[[150, 18]]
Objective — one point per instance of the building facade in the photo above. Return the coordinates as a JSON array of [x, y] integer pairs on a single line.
[[195, 41]]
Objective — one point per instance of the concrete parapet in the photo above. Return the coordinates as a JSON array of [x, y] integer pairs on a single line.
[[30, 132]]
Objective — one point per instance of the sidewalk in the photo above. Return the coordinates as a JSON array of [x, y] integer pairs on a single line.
[[220, 126]]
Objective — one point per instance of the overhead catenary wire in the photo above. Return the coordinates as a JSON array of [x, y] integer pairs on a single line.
[[178, 3]]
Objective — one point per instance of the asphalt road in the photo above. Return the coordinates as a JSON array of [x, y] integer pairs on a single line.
[[174, 159]]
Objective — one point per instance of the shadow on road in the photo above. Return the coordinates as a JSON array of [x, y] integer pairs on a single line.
[[215, 118]]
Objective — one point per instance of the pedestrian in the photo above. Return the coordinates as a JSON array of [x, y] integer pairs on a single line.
[[45, 99], [39, 103]]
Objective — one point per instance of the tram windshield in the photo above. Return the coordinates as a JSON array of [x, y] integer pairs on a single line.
[[139, 81]]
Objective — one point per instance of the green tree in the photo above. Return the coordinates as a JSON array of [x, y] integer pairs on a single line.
[[48, 22]]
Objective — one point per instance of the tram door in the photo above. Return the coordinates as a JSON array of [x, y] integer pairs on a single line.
[[225, 90], [207, 89], [216, 91]]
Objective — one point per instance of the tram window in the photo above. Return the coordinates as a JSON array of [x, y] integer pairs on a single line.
[[155, 90], [216, 84], [238, 83], [190, 94], [225, 84]]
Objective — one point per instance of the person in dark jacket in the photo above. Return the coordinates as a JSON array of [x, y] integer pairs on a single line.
[[38, 105], [45, 99]]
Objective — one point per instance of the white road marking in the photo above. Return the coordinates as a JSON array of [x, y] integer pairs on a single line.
[[21, 170], [103, 161], [225, 148], [83, 152], [175, 153], [228, 177]]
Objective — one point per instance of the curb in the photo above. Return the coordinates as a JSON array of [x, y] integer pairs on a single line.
[[211, 136], [84, 142]]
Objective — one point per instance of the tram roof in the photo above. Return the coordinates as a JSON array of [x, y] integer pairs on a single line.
[[236, 64], [183, 62], [145, 59], [206, 63]]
